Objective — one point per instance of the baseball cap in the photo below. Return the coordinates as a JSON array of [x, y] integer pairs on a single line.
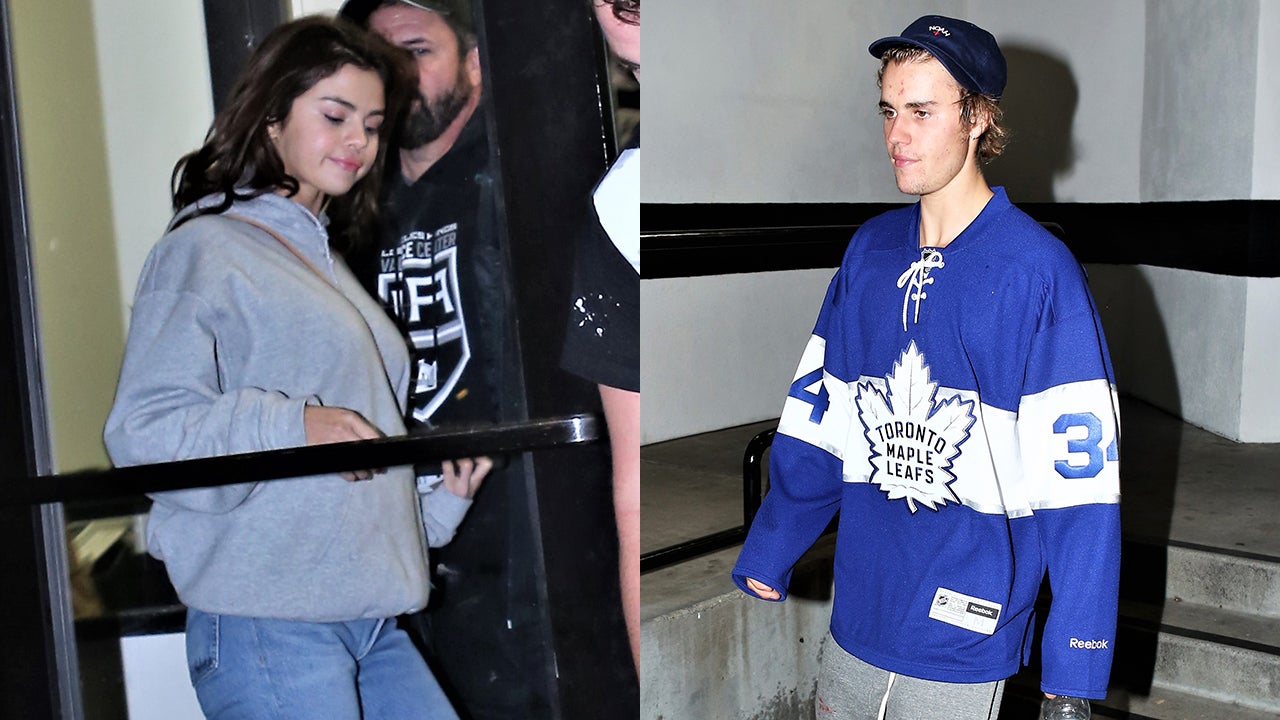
[[358, 11], [967, 51]]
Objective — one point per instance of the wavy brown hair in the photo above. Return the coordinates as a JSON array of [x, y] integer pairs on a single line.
[[238, 158]]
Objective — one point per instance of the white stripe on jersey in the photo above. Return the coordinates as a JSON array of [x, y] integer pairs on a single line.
[[829, 433], [1056, 452], [1069, 437], [1000, 471]]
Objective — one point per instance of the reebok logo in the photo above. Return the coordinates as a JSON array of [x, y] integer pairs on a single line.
[[1088, 644], [983, 610]]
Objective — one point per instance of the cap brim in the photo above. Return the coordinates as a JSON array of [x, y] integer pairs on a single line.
[[358, 11], [878, 47]]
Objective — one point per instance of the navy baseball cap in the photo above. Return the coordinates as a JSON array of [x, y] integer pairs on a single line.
[[967, 51], [358, 11]]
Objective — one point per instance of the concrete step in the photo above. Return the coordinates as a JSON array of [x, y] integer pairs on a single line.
[[1239, 582], [1202, 621], [1194, 621], [1242, 582], [1207, 651], [1223, 657]]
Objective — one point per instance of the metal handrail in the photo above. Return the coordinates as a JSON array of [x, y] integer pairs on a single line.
[[435, 445], [752, 486], [752, 491]]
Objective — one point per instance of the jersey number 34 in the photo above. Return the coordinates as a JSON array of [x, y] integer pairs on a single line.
[[1090, 445]]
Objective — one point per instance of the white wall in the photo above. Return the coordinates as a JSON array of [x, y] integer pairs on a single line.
[[722, 351], [70, 222], [759, 101], [1201, 54], [1260, 392], [1266, 133], [157, 685], [157, 106]]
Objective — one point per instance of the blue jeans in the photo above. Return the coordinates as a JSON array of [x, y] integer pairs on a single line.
[[262, 669]]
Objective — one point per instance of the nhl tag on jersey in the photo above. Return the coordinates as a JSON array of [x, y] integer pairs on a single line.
[[964, 611]]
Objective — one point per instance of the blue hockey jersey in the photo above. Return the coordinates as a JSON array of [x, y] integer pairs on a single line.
[[957, 406]]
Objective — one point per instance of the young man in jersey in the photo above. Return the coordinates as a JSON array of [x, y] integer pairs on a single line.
[[440, 270], [956, 405], [602, 342]]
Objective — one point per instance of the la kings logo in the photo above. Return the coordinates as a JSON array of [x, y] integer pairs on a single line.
[[913, 439], [418, 280]]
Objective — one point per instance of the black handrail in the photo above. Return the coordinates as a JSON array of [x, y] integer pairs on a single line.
[[752, 460], [435, 445], [672, 554]]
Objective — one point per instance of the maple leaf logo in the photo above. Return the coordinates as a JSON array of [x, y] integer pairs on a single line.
[[913, 439]]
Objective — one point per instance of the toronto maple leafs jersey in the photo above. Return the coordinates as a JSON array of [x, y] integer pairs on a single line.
[[957, 407]]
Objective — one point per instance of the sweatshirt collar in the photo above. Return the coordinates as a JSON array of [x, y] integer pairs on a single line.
[[304, 230]]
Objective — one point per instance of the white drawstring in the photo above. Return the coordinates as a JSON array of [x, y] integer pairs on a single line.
[[915, 278], [884, 703]]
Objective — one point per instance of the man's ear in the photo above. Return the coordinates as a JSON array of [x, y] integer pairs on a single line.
[[980, 125], [473, 65]]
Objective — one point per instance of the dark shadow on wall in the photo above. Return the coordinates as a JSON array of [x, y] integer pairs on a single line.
[[1039, 104]]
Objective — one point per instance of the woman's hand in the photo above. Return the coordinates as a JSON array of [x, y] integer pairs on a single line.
[[463, 477], [335, 424]]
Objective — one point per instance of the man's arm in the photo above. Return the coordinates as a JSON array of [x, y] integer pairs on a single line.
[[1068, 427], [622, 413]]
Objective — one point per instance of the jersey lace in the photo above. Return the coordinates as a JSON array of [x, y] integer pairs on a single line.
[[914, 279]]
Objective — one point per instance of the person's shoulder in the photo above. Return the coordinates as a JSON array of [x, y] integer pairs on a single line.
[[885, 227], [200, 246], [204, 235], [893, 219], [1032, 242], [878, 234]]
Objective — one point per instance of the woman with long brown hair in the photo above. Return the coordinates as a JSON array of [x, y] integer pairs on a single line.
[[249, 333]]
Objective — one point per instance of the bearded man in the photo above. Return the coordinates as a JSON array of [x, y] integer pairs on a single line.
[[440, 271]]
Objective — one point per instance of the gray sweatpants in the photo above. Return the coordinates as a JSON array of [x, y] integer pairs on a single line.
[[849, 689]]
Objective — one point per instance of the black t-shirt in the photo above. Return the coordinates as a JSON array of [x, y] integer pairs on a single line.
[[440, 273], [602, 341]]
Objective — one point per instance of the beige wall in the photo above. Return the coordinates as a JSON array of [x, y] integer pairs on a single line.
[[70, 216], [110, 94]]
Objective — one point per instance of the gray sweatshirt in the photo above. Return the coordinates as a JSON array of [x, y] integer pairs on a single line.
[[231, 336]]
